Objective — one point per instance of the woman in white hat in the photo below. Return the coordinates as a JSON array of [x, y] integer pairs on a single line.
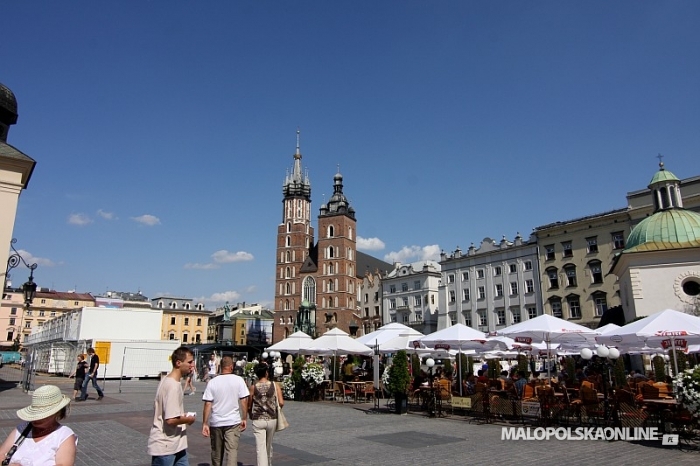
[[41, 440]]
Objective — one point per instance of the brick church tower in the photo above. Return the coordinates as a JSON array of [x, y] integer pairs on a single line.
[[315, 284]]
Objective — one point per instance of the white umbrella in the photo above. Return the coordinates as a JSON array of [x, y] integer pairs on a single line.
[[386, 333], [668, 329], [607, 328], [294, 343], [549, 329], [401, 342], [336, 341], [463, 338]]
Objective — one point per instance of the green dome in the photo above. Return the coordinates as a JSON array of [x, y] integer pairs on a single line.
[[662, 176], [666, 229]]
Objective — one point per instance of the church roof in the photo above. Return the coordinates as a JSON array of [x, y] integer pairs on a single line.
[[662, 176], [666, 229], [365, 263]]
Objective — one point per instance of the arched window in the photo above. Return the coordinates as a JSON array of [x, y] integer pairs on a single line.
[[596, 271], [160, 304], [330, 269], [187, 306], [288, 273], [600, 302], [350, 232], [330, 251], [289, 241], [289, 227], [555, 304], [553, 277], [309, 290], [570, 271], [289, 288], [281, 320], [173, 305], [330, 231], [289, 256], [286, 305]]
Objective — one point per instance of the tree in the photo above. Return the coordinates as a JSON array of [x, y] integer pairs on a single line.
[[399, 377]]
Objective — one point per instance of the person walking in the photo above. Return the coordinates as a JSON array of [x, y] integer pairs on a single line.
[[225, 413], [41, 439], [265, 395], [212, 367], [79, 373], [167, 441], [189, 383], [91, 375]]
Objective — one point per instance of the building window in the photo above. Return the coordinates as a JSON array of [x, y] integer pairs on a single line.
[[596, 272], [529, 286], [482, 292], [515, 315], [172, 321], [417, 300], [553, 278], [452, 296], [12, 321], [549, 252], [199, 322], [450, 278], [601, 303], [41, 313], [480, 273], [28, 324], [309, 290], [392, 304], [497, 271], [13, 311], [513, 268], [171, 336], [574, 307], [416, 285], [465, 294], [556, 307], [432, 299], [405, 318], [10, 336], [618, 239], [482, 318], [513, 288], [404, 300], [404, 287], [570, 275], [184, 338], [499, 290], [528, 265], [393, 317], [465, 276], [392, 288], [187, 321], [531, 312], [592, 244], [568, 251], [419, 317], [468, 319], [197, 338], [500, 317], [53, 313]]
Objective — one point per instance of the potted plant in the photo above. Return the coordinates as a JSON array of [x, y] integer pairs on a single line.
[[399, 381]]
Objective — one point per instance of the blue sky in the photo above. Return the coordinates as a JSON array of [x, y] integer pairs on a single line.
[[163, 130]]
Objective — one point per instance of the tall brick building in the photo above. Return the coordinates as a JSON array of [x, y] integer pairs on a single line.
[[318, 278]]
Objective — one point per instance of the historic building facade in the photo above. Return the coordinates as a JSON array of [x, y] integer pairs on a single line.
[[183, 319], [410, 295], [490, 287], [320, 279]]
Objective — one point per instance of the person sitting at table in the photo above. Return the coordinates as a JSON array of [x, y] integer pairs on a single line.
[[504, 376], [469, 385], [481, 377], [348, 372], [637, 376], [519, 384]]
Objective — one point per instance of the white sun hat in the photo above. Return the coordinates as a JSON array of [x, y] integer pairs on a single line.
[[46, 401]]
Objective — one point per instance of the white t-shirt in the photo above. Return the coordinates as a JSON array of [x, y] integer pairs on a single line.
[[42, 453], [212, 367], [165, 439], [224, 392]]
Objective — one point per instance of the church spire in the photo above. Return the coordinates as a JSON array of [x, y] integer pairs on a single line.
[[296, 183]]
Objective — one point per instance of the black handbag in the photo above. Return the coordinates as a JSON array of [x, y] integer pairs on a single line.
[[16, 445]]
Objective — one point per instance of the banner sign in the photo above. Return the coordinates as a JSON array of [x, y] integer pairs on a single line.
[[461, 402], [526, 340], [531, 408], [442, 346], [666, 344]]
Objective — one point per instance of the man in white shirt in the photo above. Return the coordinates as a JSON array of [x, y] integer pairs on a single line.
[[225, 413]]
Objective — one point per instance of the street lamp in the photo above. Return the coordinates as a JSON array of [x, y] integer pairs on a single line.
[[606, 358], [430, 362], [353, 328], [28, 288]]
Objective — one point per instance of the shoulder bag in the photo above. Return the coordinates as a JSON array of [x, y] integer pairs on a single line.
[[18, 442], [281, 419]]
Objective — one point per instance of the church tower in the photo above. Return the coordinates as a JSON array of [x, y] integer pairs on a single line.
[[336, 250], [295, 238]]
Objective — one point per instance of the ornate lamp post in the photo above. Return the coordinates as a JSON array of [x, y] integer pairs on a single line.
[[606, 358], [28, 288], [353, 328]]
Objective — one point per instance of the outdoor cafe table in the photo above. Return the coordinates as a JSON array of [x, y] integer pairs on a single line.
[[357, 386]]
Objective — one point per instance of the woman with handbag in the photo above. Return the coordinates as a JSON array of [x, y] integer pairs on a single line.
[[266, 397], [48, 443]]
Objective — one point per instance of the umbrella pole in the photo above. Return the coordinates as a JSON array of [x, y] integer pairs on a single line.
[[549, 364], [675, 358], [459, 366]]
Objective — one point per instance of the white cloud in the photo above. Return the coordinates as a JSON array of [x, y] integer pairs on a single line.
[[251, 289], [106, 215], [198, 266], [30, 259], [219, 299], [79, 219], [225, 257], [370, 244], [146, 219], [409, 254]]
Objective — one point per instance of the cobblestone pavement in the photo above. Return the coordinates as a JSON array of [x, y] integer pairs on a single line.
[[114, 432]]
